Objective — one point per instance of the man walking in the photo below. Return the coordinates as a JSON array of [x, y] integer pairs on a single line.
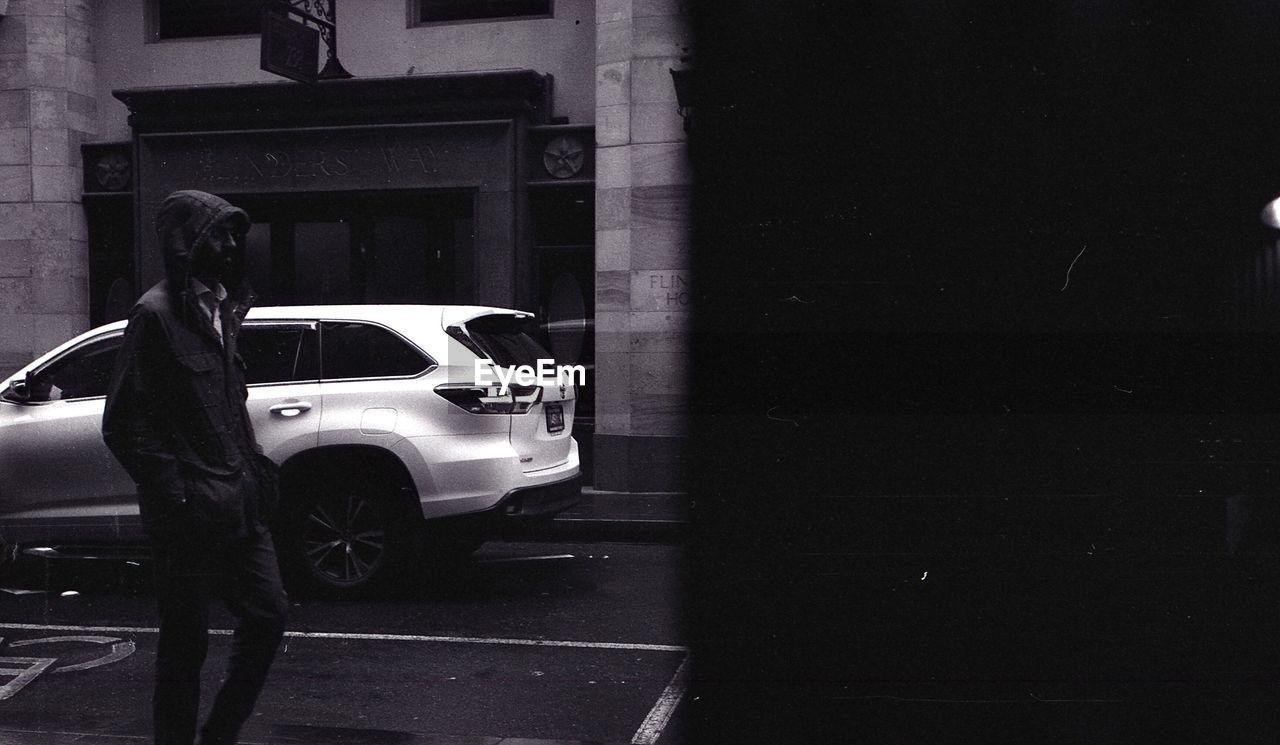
[[175, 418]]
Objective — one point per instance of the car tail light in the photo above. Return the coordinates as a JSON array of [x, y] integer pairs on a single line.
[[525, 397], [479, 399]]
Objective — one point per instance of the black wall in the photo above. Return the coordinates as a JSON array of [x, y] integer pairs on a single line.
[[978, 250]]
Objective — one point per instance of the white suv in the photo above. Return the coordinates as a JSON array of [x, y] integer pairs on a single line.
[[387, 442]]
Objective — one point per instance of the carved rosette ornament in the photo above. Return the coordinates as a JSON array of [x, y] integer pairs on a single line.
[[563, 157], [112, 171]]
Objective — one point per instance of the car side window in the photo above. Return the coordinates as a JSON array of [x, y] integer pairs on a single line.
[[360, 350], [84, 372], [279, 353]]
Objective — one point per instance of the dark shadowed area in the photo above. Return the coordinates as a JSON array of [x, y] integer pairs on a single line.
[[985, 340]]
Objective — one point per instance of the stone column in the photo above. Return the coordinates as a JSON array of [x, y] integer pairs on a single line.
[[642, 246], [47, 108]]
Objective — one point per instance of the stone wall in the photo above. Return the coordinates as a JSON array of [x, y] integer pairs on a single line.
[[47, 108], [642, 246], [374, 40]]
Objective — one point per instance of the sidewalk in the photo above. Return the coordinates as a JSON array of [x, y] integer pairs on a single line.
[[644, 517]]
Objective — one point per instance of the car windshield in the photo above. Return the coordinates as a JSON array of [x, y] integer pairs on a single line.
[[507, 339]]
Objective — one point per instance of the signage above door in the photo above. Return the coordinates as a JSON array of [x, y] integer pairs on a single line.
[[289, 48]]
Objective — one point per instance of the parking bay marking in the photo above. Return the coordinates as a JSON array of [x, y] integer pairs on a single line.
[[653, 724], [24, 670], [27, 669], [376, 637], [647, 734], [520, 559]]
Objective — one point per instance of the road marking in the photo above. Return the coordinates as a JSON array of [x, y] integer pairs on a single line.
[[33, 666], [652, 726], [29, 668], [86, 735], [482, 640], [648, 733], [375, 637], [120, 649], [518, 559]]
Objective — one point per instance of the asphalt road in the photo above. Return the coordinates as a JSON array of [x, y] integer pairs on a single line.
[[525, 643]]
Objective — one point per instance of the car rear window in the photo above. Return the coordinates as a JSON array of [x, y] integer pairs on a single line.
[[507, 340]]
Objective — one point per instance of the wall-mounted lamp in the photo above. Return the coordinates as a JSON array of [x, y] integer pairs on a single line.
[[1271, 213], [323, 14], [683, 81]]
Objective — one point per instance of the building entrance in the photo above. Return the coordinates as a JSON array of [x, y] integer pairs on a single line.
[[379, 247]]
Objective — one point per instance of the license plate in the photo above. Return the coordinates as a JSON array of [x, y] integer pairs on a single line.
[[555, 418]]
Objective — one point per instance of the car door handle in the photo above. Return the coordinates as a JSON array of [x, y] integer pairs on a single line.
[[290, 408]]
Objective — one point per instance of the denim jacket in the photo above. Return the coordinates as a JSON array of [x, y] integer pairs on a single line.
[[175, 413]]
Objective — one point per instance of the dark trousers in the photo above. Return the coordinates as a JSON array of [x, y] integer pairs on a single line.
[[189, 575]]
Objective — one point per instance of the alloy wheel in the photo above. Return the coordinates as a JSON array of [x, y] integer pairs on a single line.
[[345, 540]]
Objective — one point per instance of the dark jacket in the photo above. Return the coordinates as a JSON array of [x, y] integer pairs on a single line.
[[175, 414]]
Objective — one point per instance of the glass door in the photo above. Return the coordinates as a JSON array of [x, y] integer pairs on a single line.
[[378, 248]]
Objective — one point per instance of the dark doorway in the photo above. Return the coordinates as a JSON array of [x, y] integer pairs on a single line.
[[383, 247], [111, 266]]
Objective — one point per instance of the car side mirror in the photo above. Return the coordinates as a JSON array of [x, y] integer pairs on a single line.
[[21, 389]]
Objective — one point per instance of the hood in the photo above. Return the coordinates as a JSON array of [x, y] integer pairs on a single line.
[[184, 219]]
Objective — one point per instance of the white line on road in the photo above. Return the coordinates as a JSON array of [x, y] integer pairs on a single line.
[[377, 637], [33, 666], [89, 736], [80, 735], [519, 559], [120, 649], [649, 732], [652, 726]]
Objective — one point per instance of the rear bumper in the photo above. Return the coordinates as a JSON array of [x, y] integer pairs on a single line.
[[534, 502], [460, 476]]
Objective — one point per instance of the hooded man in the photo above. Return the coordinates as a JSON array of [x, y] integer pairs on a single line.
[[175, 418]]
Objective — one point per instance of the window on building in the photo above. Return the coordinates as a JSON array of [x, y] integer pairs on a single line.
[[440, 11], [360, 350], [187, 19]]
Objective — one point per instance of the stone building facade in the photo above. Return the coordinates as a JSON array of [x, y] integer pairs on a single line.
[[643, 289], [48, 107], [540, 160]]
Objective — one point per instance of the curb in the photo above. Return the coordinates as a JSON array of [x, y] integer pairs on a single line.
[[633, 517], [599, 530]]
